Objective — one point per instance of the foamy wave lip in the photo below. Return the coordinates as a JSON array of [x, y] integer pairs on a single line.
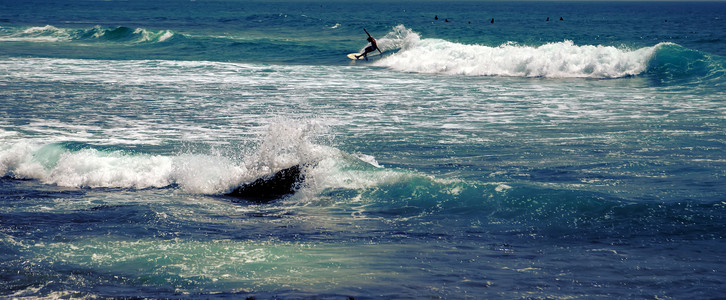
[[553, 60], [153, 36], [51, 33], [47, 33]]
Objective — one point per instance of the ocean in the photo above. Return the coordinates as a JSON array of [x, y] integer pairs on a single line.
[[494, 150]]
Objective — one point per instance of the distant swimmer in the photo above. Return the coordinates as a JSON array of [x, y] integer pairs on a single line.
[[492, 21], [371, 48], [436, 17], [561, 19], [548, 19]]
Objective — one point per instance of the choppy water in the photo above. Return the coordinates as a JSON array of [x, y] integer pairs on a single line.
[[524, 158]]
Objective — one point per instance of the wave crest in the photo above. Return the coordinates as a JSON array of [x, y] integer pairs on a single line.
[[553, 60], [121, 34], [51, 33]]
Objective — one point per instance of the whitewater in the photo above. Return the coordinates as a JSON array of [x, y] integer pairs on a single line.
[[552, 60], [491, 151]]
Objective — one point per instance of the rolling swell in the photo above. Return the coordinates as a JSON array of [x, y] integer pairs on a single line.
[[126, 34], [404, 50], [114, 43], [525, 209], [402, 197], [119, 34]]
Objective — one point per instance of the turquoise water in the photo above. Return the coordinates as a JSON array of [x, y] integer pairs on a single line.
[[523, 158]]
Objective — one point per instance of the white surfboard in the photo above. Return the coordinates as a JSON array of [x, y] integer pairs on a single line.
[[352, 55]]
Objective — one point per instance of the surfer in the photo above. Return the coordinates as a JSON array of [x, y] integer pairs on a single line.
[[371, 48]]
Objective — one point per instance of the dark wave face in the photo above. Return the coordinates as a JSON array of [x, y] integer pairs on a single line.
[[673, 64]]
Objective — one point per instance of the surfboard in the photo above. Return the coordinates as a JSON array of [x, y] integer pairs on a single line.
[[352, 55]]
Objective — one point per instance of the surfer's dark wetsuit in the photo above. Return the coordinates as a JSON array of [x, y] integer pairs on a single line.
[[371, 48]]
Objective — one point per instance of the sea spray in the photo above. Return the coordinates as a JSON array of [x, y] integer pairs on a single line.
[[285, 142]]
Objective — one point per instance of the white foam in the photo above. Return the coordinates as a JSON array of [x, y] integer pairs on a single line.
[[91, 168], [165, 35], [553, 60], [153, 36], [14, 158], [54, 164], [368, 159], [47, 33], [283, 144]]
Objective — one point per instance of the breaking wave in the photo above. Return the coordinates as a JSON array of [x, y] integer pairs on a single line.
[[553, 60], [51, 33], [82, 165]]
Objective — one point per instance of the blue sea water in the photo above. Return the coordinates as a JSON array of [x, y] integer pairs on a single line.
[[503, 154]]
